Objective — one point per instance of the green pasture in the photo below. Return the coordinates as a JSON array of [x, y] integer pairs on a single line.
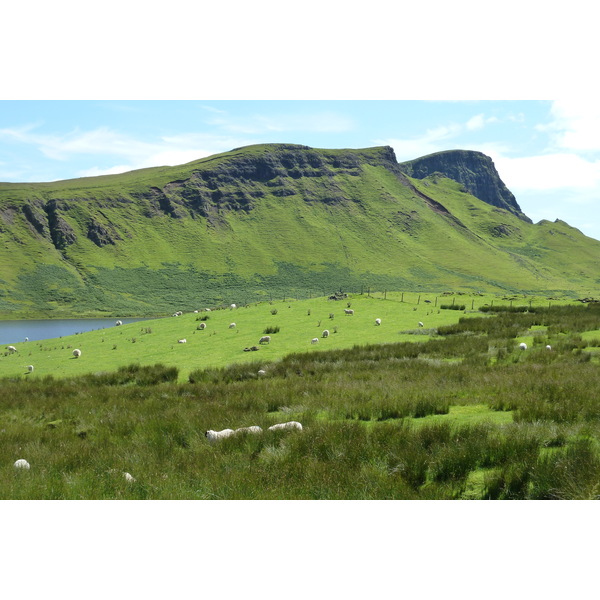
[[458, 412], [299, 321]]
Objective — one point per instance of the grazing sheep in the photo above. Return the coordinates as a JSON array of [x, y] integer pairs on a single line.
[[30, 368], [265, 339], [325, 333], [251, 429], [119, 323], [231, 325], [76, 353], [523, 346], [21, 464], [377, 321], [233, 306], [207, 309], [421, 324], [348, 311], [288, 425], [215, 436], [314, 341], [202, 326], [196, 312], [183, 341], [548, 347], [11, 349], [129, 477]]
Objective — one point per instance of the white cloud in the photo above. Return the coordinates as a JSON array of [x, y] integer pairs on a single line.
[[479, 122], [575, 125], [548, 172], [322, 122]]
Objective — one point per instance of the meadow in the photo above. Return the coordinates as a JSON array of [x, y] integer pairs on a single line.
[[452, 410]]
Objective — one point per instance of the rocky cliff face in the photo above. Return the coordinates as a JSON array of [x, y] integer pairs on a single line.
[[474, 170]]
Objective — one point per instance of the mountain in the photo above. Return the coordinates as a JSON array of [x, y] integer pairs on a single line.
[[277, 220], [473, 169]]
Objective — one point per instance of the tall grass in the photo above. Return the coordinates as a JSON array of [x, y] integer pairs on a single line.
[[379, 423]]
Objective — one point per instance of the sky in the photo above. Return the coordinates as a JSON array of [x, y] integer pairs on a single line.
[[546, 152]]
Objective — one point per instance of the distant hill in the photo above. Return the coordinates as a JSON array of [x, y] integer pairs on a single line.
[[274, 220]]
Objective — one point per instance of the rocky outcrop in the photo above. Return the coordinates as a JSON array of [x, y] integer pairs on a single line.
[[475, 170]]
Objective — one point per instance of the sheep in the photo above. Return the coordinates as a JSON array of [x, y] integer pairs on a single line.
[[421, 324], [215, 436], [377, 321], [118, 323], [523, 346], [207, 309], [11, 349], [325, 333], [314, 341], [262, 372], [233, 306], [348, 311], [21, 464], [26, 339], [202, 326], [30, 368], [183, 341], [76, 353], [232, 325], [265, 339], [129, 477], [548, 347], [288, 425], [251, 429]]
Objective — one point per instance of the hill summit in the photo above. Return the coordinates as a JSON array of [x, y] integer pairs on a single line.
[[277, 220]]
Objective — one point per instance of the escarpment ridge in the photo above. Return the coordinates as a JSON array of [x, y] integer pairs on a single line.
[[277, 219]]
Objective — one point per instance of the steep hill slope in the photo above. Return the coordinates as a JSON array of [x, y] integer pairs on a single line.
[[271, 220]]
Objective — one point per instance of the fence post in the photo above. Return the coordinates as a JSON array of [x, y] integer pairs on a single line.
[[419, 299]]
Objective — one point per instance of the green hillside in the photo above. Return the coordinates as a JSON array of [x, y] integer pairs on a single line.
[[269, 221]]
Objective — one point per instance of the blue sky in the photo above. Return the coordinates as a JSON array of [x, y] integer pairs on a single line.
[[547, 152]]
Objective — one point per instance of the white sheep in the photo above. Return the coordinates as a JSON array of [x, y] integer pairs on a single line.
[[202, 326], [348, 311], [231, 325], [233, 306], [325, 333], [183, 341], [30, 368], [314, 341], [265, 339], [11, 349], [421, 324], [251, 429], [118, 323], [377, 321], [523, 346], [548, 347], [76, 353], [215, 436], [288, 425], [21, 464], [129, 477], [26, 339], [262, 372], [207, 309]]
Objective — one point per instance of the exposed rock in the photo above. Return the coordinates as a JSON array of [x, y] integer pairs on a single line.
[[474, 170]]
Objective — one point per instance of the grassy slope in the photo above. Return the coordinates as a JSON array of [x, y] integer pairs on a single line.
[[219, 346], [377, 233]]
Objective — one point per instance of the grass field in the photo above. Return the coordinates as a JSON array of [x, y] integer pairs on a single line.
[[457, 413], [156, 341]]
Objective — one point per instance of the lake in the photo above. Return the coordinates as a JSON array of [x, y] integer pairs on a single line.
[[13, 332]]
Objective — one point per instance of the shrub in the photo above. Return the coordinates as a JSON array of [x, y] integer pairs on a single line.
[[268, 330]]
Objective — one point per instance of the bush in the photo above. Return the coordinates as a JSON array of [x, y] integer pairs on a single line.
[[269, 330]]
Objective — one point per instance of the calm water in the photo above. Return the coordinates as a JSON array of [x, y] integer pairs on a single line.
[[13, 332]]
